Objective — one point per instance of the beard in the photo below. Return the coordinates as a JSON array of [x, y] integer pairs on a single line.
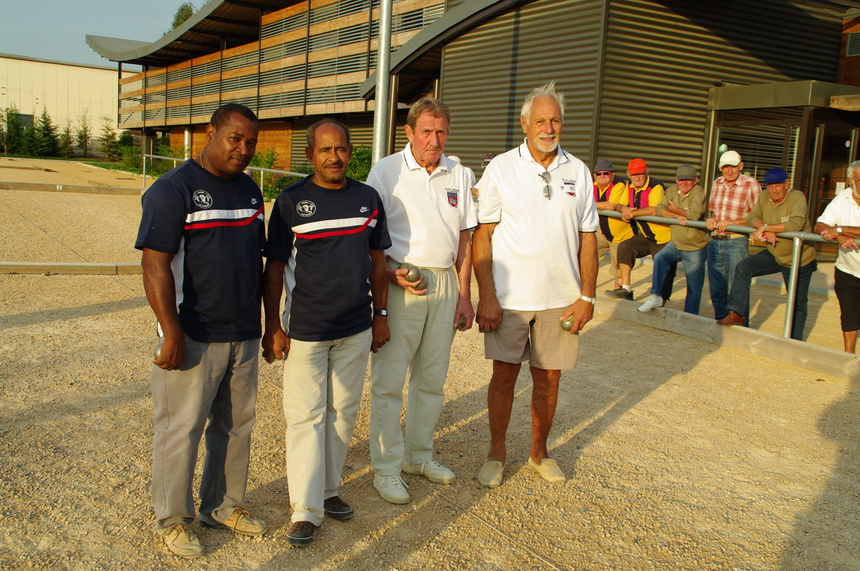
[[546, 147]]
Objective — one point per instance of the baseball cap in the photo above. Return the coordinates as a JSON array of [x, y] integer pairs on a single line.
[[775, 175], [685, 172], [731, 158], [637, 166], [602, 165]]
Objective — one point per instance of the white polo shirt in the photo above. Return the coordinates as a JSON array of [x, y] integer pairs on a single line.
[[843, 211], [536, 243], [425, 212]]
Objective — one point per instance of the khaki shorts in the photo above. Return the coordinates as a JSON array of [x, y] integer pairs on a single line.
[[534, 336]]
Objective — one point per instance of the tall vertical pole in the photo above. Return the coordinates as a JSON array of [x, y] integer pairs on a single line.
[[380, 110]]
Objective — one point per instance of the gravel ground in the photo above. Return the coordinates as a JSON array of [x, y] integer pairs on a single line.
[[681, 454]]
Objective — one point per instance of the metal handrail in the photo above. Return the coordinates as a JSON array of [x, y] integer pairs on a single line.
[[261, 170], [798, 238]]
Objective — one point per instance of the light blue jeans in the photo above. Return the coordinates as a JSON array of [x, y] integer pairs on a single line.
[[694, 269], [723, 258]]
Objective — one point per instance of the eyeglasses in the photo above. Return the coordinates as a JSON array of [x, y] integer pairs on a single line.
[[547, 190], [603, 173]]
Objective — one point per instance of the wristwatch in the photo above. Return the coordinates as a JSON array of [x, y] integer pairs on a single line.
[[380, 312], [591, 300], [839, 229]]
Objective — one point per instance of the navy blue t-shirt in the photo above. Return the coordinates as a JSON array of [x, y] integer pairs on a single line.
[[324, 236], [216, 228]]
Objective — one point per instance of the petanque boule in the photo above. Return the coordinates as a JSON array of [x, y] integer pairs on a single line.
[[462, 323], [157, 352], [567, 324], [413, 274]]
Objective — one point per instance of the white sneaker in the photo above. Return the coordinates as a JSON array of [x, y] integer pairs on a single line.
[[432, 470], [391, 488], [650, 303]]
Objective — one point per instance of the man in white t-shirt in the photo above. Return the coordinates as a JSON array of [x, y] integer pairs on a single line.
[[840, 222], [428, 204], [535, 259]]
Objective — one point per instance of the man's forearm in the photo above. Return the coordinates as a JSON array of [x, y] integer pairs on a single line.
[[273, 286], [463, 265], [482, 259], [379, 279], [159, 285], [588, 263]]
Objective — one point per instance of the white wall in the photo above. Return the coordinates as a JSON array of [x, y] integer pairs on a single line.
[[67, 90]]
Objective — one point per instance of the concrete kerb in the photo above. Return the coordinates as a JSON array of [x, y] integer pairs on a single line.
[[69, 268], [47, 187], [790, 351]]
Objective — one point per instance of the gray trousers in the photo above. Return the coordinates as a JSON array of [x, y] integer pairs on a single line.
[[218, 383]]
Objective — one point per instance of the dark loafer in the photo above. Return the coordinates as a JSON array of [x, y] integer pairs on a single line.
[[336, 508], [301, 532]]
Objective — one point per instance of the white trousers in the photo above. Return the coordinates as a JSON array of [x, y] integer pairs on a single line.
[[422, 329], [322, 390]]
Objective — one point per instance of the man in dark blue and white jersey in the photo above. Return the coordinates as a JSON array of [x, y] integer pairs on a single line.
[[327, 241], [202, 233]]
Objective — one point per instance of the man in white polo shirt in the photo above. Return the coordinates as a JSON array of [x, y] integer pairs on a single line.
[[428, 202], [535, 258]]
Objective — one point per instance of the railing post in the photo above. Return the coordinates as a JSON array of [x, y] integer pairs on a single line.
[[791, 286]]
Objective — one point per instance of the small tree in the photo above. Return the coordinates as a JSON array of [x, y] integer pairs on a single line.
[[83, 131], [45, 137], [28, 146], [359, 166], [66, 141], [13, 139], [185, 11], [109, 144]]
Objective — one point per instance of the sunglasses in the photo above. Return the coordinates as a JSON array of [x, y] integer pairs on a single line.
[[547, 190], [602, 173]]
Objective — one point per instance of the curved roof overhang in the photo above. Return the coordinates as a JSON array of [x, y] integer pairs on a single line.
[[219, 24], [418, 61]]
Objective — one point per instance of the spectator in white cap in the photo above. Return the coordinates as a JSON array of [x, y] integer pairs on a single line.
[[733, 196], [685, 201]]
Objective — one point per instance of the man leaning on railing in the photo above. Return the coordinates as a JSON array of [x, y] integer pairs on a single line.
[[780, 209]]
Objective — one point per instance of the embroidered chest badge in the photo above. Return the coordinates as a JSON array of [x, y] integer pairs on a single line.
[[202, 199], [453, 196], [569, 186], [306, 208]]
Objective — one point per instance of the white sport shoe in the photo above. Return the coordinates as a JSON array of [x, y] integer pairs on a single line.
[[432, 470], [391, 488], [650, 303]]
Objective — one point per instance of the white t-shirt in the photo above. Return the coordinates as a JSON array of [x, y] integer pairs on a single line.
[[843, 211], [536, 243], [425, 211]]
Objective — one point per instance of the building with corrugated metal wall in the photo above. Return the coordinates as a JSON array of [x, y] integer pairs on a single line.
[[639, 75], [670, 81]]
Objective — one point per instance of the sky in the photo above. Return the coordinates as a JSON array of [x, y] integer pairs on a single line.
[[57, 29]]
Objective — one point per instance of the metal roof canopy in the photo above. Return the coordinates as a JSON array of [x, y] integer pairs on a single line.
[[218, 25], [418, 60], [783, 94]]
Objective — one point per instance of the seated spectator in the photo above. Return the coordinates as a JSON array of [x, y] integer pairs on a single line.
[[780, 209], [840, 221], [609, 193], [685, 201], [644, 193]]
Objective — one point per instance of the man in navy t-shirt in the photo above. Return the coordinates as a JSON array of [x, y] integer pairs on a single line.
[[202, 234], [327, 241]]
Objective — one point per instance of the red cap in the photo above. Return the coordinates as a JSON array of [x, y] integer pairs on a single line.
[[637, 166]]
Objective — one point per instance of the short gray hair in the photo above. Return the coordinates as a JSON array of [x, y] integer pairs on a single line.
[[547, 90], [853, 168]]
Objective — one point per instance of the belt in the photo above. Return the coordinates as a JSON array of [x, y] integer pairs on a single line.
[[720, 237]]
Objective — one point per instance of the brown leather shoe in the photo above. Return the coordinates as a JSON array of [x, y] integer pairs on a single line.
[[731, 319]]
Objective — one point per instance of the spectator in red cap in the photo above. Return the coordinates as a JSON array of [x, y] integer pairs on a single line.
[[644, 193]]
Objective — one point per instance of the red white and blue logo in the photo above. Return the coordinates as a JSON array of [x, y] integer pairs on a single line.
[[453, 196]]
